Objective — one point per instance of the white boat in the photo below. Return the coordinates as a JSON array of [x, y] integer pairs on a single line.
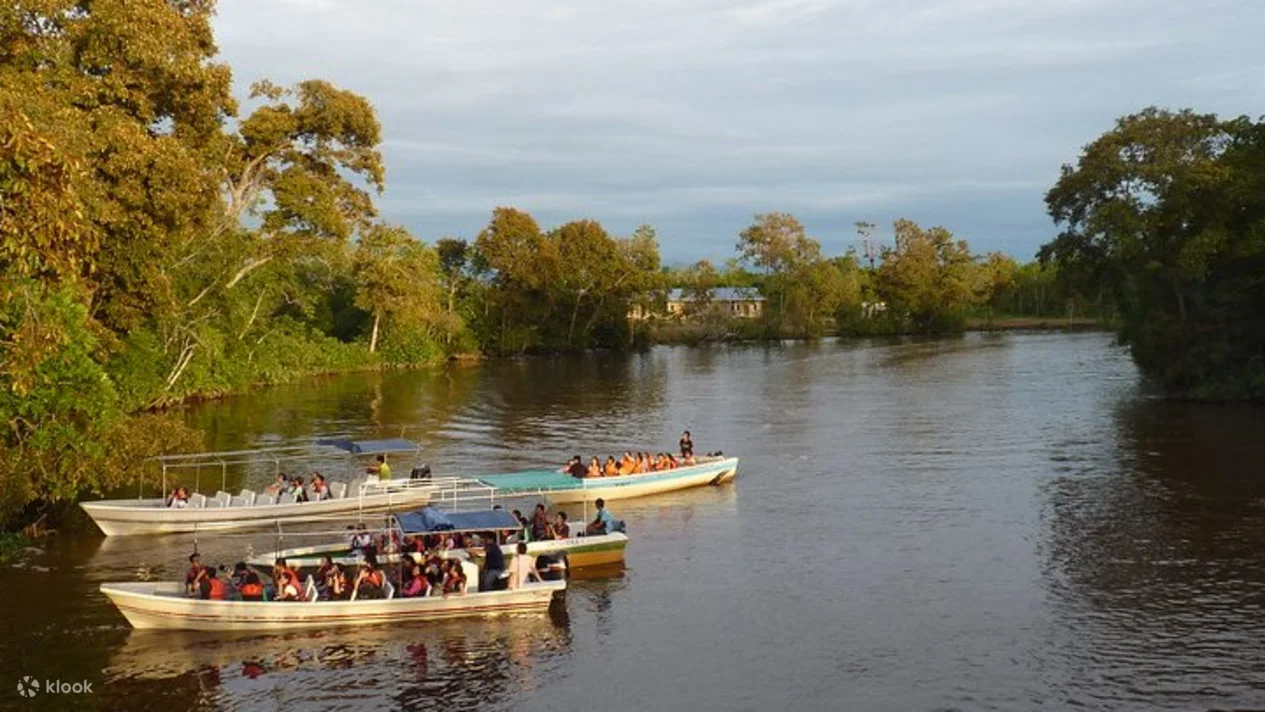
[[578, 551], [249, 509], [562, 488], [150, 605]]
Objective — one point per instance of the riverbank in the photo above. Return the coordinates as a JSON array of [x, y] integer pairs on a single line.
[[1028, 323]]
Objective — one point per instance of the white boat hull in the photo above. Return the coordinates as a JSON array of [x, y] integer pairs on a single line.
[[148, 516], [629, 486], [162, 605]]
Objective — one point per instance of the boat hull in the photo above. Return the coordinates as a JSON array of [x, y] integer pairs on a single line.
[[134, 517], [564, 489], [149, 606], [629, 486]]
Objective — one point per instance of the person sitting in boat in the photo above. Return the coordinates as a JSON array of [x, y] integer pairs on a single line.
[[434, 571], [522, 568], [524, 527], [415, 585], [610, 469], [539, 524], [362, 541], [595, 468], [179, 498], [369, 581], [627, 463], [575, 467], [688, 460], [337, 584], [320, 490], [382, 469], [279, 484], [643, 463], [210, 586], [603, 523], [687, 444], [455, 580], [560, 529], [297, 490], [252, 586], [195, 569], [286, 580]]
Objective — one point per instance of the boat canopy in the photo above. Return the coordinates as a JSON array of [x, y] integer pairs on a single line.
[[429, 520], [371, 447]]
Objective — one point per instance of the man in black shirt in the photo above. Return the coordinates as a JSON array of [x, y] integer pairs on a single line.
[[494, 565], [576, 468]]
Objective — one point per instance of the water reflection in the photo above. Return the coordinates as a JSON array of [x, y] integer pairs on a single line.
[[447, 665]]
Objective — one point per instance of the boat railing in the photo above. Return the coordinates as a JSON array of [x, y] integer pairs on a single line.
[[275, 456]]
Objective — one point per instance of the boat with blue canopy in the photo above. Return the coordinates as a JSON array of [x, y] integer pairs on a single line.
[[578, 550]]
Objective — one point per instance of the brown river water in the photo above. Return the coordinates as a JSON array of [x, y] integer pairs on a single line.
[[996, 522]]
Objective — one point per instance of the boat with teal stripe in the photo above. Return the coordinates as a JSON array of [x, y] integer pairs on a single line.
[[562, 488]]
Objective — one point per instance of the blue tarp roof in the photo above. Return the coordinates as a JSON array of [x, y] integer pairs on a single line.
[[429, 519], [371, 447]]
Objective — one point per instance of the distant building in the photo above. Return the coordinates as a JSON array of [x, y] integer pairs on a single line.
[[741, 302]]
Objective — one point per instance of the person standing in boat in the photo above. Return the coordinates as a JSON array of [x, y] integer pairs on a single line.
[[195, 570], [687, 445], [523, 568], [382, 469], [494, 565]]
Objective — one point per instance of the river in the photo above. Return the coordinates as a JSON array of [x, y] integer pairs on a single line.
[[998, 521]]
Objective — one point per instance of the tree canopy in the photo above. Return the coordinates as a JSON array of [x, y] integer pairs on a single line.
[[1166, 211]]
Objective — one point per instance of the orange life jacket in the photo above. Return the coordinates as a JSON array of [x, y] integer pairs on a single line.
[[253, 590], [219, 591]]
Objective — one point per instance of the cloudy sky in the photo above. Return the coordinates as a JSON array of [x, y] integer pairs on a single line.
[[692, 115]]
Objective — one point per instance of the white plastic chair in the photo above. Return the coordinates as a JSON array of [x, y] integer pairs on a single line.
[[197, 500], [338, 490], [248, 496], [285, 498], [388, 589], [309, 591], [238, 502], [264, 500], [224, 498]]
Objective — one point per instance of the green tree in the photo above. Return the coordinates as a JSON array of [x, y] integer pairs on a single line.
[[928, 278], [397, 278], [1166, 212]]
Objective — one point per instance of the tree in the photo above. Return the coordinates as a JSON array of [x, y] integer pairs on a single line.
[[522, 265], [997, 277], [397, 277], [454, 258], [928, 277], [1166, 212], [778, 244]]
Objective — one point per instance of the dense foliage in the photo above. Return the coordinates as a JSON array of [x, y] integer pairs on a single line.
[[1167, 212]]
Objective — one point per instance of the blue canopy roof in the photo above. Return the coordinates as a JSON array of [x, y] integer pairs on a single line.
[[428, 519], [371, 447]]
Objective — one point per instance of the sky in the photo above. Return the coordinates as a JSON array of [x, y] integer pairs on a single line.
[[693, 115]]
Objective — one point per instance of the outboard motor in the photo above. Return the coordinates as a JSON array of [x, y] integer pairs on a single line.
[[421, 472]]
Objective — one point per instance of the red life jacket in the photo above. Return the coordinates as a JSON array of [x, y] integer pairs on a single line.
[[253, 590], [219, 591]]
